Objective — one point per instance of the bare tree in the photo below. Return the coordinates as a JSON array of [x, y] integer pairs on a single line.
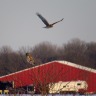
[[74, 51], [45, 52], [42, 76], [91, 54]]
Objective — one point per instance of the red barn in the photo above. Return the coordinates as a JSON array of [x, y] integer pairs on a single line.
[[53, 72]]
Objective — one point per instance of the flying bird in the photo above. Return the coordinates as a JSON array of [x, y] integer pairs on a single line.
[[46, 22], [30, 59]]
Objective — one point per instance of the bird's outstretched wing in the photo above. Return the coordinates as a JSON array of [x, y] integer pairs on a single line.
[[43, 19], [29, 58], [57, 21]]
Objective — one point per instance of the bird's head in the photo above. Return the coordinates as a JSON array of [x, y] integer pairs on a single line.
[[50, 26]]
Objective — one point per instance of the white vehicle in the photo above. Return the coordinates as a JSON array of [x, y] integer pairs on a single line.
[[68, 87]]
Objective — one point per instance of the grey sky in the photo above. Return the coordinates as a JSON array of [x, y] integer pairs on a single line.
[[19, 25]]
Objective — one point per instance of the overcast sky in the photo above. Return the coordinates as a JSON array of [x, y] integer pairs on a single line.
[[20, 26]]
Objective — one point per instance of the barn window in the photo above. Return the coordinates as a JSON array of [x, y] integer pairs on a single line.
[[78, 83], [64, 86]]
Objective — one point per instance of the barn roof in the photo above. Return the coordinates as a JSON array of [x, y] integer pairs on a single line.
[[77, 66], [60, 62]]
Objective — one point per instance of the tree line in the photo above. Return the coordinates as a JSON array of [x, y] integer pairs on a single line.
[[75, 51]]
